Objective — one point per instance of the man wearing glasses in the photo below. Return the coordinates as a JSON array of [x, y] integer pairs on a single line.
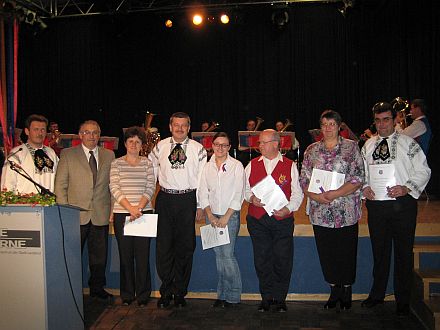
[[272, 234], [82, 180]]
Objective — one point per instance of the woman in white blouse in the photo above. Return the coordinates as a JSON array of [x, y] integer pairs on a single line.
[[132, 185], [221, 195]]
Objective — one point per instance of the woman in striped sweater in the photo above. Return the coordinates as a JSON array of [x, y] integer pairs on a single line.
[[132, 185]]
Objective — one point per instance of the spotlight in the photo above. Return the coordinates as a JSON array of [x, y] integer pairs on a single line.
[[169, 23], [280, 18], [346, 5], [224, 19], [30, 17], [197, 19]]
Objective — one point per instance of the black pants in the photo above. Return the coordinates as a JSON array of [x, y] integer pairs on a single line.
[[392, 223], [134, 259], [97, 243], [337, 250], [176, 241], [272, 242]]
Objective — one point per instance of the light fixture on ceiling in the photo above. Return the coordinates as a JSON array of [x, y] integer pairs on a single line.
[[346, 5], [280, 18]]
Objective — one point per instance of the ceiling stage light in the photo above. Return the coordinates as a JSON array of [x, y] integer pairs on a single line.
[[197, 19], [169, 23], [224, 19]]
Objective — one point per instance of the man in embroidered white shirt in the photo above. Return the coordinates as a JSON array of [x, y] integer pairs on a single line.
[[392, 219], [178, 163], [32, 159]]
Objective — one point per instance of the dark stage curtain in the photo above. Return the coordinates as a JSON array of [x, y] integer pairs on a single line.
[[115, 68]]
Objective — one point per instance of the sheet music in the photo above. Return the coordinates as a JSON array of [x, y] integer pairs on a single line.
[[213, 236], [144, 226]]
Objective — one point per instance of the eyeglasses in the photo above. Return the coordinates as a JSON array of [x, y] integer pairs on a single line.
[[95, 133], [220, 145], [265, 142], [331, 125]]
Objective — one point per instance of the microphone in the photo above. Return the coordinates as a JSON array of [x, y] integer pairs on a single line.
[[15, 152], [11, 162]]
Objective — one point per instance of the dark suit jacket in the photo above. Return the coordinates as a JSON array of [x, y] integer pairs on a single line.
[[74, 184]]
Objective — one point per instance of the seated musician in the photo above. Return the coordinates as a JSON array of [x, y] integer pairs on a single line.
[[246, 154], [292, 153], [53, 137]]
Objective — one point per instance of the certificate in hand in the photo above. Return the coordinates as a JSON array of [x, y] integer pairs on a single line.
[[213, 236], [270, 194], [144, 226], [322, 181], [381, 177]]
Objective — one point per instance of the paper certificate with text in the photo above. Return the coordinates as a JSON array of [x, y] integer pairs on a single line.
[[144, 226], [381, 177], [213, 236], [322, 181], [270, 194]]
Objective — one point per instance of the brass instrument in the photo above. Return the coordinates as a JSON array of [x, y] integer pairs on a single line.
[[259, 122], [152, 135], [213, 126], [401, 106], [287, 124]]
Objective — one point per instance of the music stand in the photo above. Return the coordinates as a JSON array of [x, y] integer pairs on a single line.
[[72, 140], [204, 138], [69, 140], [287, 140]]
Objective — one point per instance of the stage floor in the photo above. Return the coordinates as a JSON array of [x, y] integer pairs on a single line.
[[428, 223]]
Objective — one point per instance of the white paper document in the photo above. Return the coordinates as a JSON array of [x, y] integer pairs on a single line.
[[213, 236], [381, 177], [270, 194], [145, 226], [322, 181]]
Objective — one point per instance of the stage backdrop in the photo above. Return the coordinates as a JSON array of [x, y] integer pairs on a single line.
[[115, 68]]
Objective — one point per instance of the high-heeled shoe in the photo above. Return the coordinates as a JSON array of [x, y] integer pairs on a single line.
[[334, 297], [345, 299]]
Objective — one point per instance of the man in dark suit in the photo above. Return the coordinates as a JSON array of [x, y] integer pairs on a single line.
[[82, 180]]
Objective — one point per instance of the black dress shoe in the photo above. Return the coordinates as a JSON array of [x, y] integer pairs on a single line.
[[143, 302], [402, 310], [345, 299], [179, 301], [218, 303], [230, 305], [334, 297], [164, 301], [126, 302], [264, 306], [101, 294], [281, 307], [370, 302]]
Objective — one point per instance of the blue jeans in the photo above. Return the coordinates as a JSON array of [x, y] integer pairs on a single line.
[[229, 278]]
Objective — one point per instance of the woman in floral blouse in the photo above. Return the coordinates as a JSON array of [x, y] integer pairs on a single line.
[[334, 214]]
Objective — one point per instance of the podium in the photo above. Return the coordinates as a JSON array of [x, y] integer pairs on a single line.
[[34, 285]]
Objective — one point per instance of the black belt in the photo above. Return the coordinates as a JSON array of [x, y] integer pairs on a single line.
[[175, 191]]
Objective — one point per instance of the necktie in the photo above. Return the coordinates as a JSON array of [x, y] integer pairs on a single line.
[[93, 166], [177, 156], [382, 150], [41, 160]]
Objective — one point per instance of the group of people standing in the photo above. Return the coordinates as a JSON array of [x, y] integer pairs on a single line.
[[190, 187]]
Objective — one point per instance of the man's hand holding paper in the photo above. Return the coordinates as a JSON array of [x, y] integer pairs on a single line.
[[269, 195]]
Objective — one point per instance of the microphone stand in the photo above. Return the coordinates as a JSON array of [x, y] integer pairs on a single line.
[[43, 190]]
